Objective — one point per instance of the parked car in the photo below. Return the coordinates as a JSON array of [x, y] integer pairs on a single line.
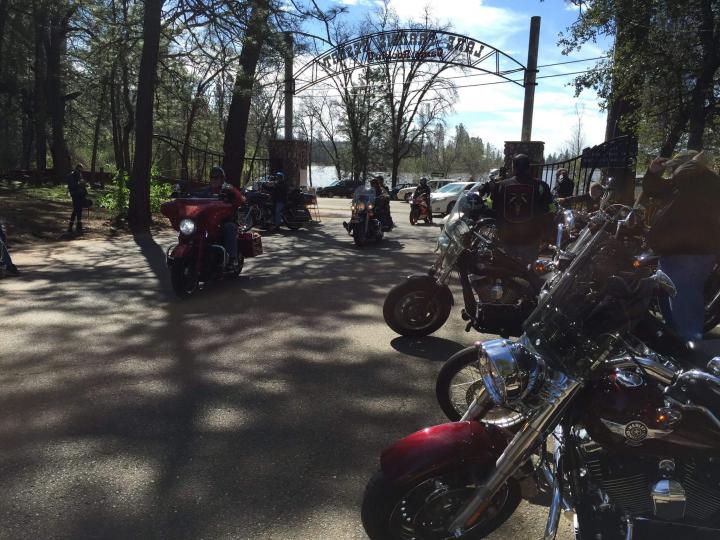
[[394, 191], [405, 194], [443, 199], [339, 188]]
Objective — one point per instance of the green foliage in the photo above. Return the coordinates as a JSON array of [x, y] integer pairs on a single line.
[[159, 192], [116, 200]]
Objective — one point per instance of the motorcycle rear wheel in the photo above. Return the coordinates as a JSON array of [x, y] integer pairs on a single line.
[[184, 278], [459, 383], [416, 308], [423, 507]]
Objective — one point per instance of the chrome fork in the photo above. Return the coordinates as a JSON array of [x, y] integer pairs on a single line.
[[556, 394]]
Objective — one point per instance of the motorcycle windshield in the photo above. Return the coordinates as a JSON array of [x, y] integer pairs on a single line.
[[364, 194], [583, 309]]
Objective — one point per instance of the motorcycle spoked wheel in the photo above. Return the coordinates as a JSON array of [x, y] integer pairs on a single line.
[[423, 507], [416, 308], [414, 215], [460, 382], [184, 278]]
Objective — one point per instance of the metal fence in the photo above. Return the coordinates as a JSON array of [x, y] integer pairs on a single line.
[[177, 162]]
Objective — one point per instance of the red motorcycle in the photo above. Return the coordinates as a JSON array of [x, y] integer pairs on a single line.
[[199, 255], [623, 437], [420, 209]]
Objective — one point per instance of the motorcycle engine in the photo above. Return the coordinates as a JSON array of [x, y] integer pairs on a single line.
[[664, 489]]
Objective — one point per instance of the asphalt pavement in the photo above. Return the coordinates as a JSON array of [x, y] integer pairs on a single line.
[[256, 409]]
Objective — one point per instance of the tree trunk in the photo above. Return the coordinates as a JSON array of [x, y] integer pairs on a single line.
[[39, 95], [185, 173], [56, 93], [98, 123], [4, 4], [115, 121], [129, 125], [139, 217], [27, 128], [703, 90], [236, 129]]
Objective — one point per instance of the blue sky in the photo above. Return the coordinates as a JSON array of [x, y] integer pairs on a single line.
[[494, 112]]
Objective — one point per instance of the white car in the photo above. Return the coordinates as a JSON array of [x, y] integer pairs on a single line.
[[406, 193], [443, 200]]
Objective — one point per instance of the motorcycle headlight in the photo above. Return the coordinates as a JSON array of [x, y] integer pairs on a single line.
[[187, 227], [360, 206], [443, 242], [371, 206], [507, 370]]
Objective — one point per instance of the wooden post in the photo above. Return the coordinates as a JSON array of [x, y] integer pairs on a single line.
[[530, 75], [289, 86]]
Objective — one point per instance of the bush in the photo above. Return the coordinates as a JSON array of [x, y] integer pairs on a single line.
[[116, 201]]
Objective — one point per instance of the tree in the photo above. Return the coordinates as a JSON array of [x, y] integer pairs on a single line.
[[139, 203], [575, 143]]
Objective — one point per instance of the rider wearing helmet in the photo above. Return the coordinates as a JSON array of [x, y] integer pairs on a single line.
[[279, 197], [382, 202], [219, 187], [423, 190]]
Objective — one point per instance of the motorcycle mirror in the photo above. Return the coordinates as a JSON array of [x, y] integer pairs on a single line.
[[663, 282]]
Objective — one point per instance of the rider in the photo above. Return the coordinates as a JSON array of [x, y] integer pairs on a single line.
[[382, 201], [279, 197], [487, 187], [423, 190], [564, 185], [589, 202], [522, 205], [219, 187]]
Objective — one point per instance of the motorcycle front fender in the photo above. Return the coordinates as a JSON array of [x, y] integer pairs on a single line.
[[180, 251], [443, 290], [441, 447]]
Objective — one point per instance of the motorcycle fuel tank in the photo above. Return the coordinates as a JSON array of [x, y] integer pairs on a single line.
[[628, 414]]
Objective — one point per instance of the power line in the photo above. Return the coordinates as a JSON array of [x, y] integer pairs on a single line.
[[573, 61]]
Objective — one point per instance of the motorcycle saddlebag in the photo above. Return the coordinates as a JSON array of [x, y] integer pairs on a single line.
[[250, 244]]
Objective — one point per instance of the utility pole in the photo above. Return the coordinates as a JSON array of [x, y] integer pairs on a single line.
[[530, 77], [289, 86]]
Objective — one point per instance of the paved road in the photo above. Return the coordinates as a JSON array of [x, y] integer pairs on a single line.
[[256, 410]]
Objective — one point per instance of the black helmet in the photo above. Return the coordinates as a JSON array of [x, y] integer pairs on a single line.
[[423, 180], [217, 172], [379, 178], [521, 163]]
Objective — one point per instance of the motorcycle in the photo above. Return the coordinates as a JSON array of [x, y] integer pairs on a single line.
[[498, 290], [364, 223], [199, 255], [259, 210], [420, 209], [623, 437]]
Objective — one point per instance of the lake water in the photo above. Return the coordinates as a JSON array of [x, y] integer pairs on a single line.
[[324, 175]]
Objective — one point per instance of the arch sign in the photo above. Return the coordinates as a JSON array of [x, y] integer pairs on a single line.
[[407, 45]]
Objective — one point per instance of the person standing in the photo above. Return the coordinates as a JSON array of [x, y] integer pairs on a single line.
[[78, 191], [564, 185], [685, 234], [523, 205], [5, 258], [280, 192], [423, 190]]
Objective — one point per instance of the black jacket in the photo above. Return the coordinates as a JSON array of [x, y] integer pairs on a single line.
[[689, 223], [422, 190], [564, 188], [523, 206], [75, 185]]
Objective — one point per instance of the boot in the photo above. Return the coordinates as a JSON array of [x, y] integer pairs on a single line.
[[79, 229], [69, 229]]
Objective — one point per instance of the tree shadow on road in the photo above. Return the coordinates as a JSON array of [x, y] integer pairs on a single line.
[[250, 410]]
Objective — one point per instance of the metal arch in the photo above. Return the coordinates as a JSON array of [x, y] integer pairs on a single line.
[[437, 46]]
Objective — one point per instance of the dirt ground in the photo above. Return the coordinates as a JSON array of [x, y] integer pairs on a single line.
[[33, 215]]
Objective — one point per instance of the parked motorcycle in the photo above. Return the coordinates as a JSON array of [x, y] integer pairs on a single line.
[[420, 209], [259, 211], [199, 255], [622, 436], [365, 224], [498, 290]]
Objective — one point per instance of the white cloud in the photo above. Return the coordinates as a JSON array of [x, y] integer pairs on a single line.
[[492, 25]]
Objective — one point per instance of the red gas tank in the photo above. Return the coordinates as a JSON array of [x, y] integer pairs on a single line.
[[628, 414]]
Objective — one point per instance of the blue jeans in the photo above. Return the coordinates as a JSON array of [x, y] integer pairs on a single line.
[[279, 207], [686, 312], [4, 253], [230, 242]]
